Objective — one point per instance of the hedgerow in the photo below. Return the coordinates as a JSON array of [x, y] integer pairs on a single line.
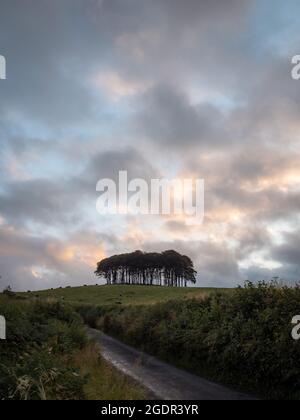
[[242, 338]]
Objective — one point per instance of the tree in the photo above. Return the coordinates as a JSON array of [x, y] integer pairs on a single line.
[[168, 268]]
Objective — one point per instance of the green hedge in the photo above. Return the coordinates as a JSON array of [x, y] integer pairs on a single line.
[[242, 339], [36, 357]]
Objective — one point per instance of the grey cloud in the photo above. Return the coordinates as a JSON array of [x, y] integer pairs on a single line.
[[256, 274], [250, 238], [186, 41], [250, 179], [288, 253], [177, 51], [215, 263], [61, 201], [37, 200], [34, 262], [167, 118], [108, 164], [48, 62]]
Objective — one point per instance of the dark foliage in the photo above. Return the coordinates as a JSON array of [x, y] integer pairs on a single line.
[[168, 268], [241, 338], [36, 358]]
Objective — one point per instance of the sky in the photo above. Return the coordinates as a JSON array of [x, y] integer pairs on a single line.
[[159, 88]]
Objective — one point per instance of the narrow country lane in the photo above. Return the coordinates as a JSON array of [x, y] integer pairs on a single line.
[[165, 381]]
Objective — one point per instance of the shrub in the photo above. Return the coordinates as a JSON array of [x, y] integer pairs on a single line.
[[41, 375], [35, 360], [241, 338], [8, 292]]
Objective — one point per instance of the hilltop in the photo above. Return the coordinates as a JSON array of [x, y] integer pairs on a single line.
[[122, 294]]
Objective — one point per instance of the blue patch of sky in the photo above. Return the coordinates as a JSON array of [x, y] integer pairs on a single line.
[[275, 27]]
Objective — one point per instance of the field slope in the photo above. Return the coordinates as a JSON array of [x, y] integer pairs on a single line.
[[122, 294]]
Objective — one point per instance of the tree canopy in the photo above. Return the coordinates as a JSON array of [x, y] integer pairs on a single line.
[[168, 268]]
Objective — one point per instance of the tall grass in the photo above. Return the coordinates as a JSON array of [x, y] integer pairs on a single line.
[[36, 357], [105, 382], [47, 356]]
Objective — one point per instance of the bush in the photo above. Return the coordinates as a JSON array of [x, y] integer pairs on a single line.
[[41, 376], [36, 358], [241, 338], [8, 292]]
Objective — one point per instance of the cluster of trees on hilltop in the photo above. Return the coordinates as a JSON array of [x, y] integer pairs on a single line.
[[168, 268]]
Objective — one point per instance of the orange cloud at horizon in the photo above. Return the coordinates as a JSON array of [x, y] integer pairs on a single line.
[[88, 254]]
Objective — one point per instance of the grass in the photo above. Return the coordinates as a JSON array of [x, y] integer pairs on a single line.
[[104, 381], [47, 355], [122, 294]]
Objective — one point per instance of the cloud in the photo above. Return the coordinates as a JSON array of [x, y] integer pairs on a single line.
[[62, 201], [215, 263], [40, 262], [288, 254], [168, 118], [161, 89], [116, 87]]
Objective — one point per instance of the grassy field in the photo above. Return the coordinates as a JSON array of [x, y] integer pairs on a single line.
[[122, 295]]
